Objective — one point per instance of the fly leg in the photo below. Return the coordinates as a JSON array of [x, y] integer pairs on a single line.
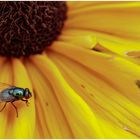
[[27, 103], [3, 106], [15, 108]]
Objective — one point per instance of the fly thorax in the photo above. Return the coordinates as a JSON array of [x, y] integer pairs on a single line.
[[18, 93], [11, 91]]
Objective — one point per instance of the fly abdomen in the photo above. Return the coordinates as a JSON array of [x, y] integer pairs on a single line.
[[5, 96]]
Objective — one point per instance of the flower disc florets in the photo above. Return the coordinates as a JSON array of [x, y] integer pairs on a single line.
[[27, 27]]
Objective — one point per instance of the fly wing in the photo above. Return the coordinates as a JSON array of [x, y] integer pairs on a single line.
[[5, 86]]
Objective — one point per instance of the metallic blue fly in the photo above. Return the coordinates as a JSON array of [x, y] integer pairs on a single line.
[[10, 94]]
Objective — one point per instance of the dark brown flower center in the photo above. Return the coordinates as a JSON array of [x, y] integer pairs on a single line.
[[28, 27]]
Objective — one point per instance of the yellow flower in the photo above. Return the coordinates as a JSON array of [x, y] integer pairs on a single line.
[[86, 84]]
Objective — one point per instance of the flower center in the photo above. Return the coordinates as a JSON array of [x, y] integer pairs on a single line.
[[28, 27]]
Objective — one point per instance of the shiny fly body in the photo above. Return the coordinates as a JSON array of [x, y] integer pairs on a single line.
[[10, 94]]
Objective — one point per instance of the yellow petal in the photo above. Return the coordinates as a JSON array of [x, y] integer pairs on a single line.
[[24, 125], [110, 70], [5, 77], [100, 96], [117, 45], [100, 60], [73, 6], [89, 7], [108, 43], [120, 20], [81, 119], [11, 126], [87, 42], [134, 54], [51, 121]]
